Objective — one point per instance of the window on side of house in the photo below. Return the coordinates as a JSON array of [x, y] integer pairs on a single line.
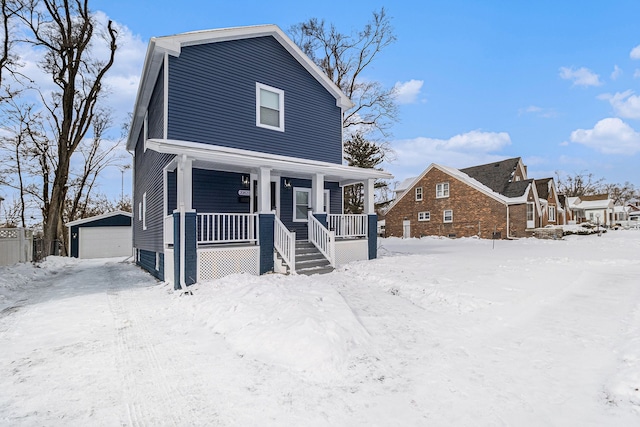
[[269, 107], [418, 194], [447, 215], [424, 216], [301, 204], [442, 190], [144, 211], [552, 213]]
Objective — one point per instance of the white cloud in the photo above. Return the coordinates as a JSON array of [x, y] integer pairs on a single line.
[[580, 76], [407, 92], [636, 73], [546, 113], [609, 136], [463, 150], [625, 104], [635, 52], [617, 72]]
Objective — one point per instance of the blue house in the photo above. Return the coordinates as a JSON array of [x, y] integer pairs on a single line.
[[238, 160]]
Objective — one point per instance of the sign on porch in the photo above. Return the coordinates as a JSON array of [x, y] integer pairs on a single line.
[[244, 192]]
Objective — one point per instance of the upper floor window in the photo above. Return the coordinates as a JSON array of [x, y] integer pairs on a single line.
[[418, 194], [442, 190], [269, 107]]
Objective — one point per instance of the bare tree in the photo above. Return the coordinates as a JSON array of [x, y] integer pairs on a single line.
[[344, 58], [65, 31], [579, 184], [620, 194]]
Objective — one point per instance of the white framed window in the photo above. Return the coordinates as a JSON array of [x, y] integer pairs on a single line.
[[269, 107], [424, 216], [145, 131], [144, 211], [301, 203], [442, 190], [139, 211], [418, 194], [552, 213], [447, 215]]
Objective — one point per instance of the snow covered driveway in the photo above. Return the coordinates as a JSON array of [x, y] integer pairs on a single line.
[[436, 332]]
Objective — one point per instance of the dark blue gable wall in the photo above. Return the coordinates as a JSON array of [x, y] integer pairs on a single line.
[[212, 99], [155, 115]]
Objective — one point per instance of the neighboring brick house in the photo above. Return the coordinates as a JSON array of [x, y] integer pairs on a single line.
[[477, 201], [552, 210]]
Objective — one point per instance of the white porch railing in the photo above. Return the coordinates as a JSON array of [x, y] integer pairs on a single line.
[[168, 230], [348, 225], [227, 227], [323, 239], [285, 243]]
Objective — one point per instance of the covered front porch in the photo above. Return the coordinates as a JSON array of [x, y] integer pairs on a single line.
[[229, 211]]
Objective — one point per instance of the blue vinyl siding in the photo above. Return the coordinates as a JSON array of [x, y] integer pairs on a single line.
[[148, 178], [212, 100], [216, 191], [148, 262], [155, 116]]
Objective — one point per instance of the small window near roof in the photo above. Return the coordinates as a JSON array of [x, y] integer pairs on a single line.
[[442, 190], [269, 107], [418, 194]]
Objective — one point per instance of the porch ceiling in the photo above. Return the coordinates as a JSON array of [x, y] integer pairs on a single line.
[[244, 161]]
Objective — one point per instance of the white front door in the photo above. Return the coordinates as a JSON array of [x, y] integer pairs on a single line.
[[530, 215], [406, 229]]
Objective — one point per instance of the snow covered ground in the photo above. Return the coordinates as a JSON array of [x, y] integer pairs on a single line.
[[436, 332]]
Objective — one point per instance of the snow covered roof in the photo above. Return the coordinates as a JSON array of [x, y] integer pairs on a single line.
[[98, 217], [405, 184]]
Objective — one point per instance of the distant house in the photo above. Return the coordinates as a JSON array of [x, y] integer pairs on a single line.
[[491, 200], [596, 208], [237, 142], [553, 212]]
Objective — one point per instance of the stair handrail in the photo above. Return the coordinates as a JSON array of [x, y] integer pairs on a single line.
[[285, 243], [323, 239]]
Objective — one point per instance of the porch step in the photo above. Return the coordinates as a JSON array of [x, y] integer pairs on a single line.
[[309, 260]]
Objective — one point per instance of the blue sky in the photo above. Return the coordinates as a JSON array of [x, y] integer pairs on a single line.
[[555, 82]]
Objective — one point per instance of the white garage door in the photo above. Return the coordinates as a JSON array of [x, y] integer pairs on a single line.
[[104, 242]]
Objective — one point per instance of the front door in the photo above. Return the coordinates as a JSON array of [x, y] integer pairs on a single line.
[[530, 214], [406, 229]]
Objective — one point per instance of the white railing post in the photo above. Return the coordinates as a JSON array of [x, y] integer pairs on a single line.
[[323, 239], [285, 243]]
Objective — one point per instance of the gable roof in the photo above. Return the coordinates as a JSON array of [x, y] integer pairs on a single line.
[[172, 45], [519, 189], [495, 175], [542, 185], [98, 217]]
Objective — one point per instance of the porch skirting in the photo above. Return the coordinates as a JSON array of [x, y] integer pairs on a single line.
[[215, 263], [351, 250]]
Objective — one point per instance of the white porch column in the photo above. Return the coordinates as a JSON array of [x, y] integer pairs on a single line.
[[369, 208], [317, 193], [264, 190], [184, 184]]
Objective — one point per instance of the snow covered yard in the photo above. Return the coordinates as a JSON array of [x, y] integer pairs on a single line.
[[436, 332]]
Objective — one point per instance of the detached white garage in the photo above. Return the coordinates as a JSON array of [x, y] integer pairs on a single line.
[[103, 236]]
